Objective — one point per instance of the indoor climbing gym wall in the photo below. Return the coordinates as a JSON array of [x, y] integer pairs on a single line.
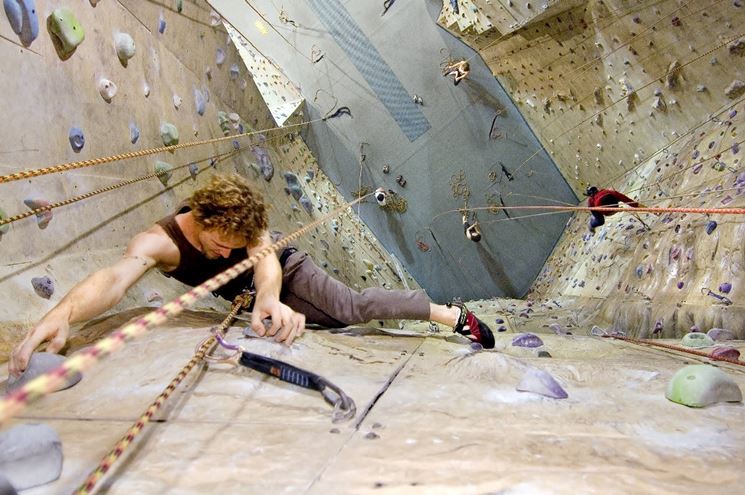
[[440, 148], [645, 98], [93, 84]]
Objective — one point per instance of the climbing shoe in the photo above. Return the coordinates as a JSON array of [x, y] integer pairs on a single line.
[[468, 324]]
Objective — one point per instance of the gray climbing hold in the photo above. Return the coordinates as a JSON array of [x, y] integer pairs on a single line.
[[235, 71], [23, 19], [39, 364], [544, 354], [306, 203], [696, 339], [43, 286], [219, 57], [134, 132], [164, 171], [293, 184], [42, 218], [540, 382], [77, 139], [700, 385], [199, 101], [193, 170], [30, 455], [527, 340], [720, 334], [169, 134], [67, 33], [125, 47]]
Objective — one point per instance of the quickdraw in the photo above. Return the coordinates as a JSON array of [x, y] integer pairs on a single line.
[[344, 407], [722, 299]]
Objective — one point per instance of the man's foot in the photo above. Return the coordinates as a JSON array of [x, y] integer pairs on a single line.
[[470, 326]]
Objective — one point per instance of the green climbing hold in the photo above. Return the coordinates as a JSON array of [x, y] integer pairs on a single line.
[[164, 171], [179, 6], [169, 134], [369, 264], [697, 339], [66, 31], [700, 385], [224, 121], [3, 228]]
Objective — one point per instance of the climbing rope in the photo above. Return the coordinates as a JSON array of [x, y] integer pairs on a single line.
[[75, 199], [88, 486], [25, 174], [676, 348], [13, 403]]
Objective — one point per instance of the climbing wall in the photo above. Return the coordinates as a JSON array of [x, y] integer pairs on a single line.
[[143, 75], [646, 98]]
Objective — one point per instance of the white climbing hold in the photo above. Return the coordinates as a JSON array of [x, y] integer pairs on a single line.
[[177, 100], [107, 89], [146, 89], [125, 47]]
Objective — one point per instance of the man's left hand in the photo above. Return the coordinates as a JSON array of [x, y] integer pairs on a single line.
[[287, 325]]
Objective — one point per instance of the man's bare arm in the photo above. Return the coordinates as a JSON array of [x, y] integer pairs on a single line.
[[96, 294]]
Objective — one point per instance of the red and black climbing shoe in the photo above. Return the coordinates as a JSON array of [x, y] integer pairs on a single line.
[[468, 324]]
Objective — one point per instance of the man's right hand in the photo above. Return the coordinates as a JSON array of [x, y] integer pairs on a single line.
[[56, 332]]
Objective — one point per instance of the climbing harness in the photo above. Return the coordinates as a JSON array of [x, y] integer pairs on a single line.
[[344, 406], [722, 299]]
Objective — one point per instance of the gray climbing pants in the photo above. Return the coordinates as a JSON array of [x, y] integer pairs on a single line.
[[325, 301]]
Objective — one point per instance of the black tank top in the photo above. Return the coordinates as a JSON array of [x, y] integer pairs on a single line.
[[194, 267]]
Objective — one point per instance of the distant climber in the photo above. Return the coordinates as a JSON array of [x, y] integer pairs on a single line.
[[220, 225], [472, 230], [606, 198], [458, 69]]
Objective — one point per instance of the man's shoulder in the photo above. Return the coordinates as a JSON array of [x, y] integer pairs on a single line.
[[154, 242]]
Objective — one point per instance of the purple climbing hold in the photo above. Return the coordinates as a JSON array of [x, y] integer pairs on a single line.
[[42, 218], [236, 144], [558, 329], [234, 72], [293, 184], [200, 101], [219, 57], [23, 19], [735, 148], [43, 286], [710, 227], [732, 114], [499, 321], [657, 327], [161, 24], [193, 170], [307, 204], [680, 285], [540, 382], [77, 139], [726, 352], [640, 271], [527, 340], [265, 163], [696, 169], [725, 287], [502, 329], [475, 347], [721, 334]]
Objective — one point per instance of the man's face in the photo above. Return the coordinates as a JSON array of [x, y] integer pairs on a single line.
[[217, 244]]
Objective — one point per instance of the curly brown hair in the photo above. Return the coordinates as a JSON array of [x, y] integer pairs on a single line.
[[232, 206]]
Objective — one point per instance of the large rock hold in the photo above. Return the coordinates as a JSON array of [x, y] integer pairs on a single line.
[[540, 382], [697, 339], [700, 385], [30, 455], [38, 364]]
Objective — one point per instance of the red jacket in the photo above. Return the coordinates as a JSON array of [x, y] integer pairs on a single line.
[[609, 197]]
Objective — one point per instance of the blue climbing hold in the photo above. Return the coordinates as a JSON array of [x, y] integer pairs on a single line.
[[23, 19], [77, 139], [236, 144], [219, 57], [265, 163], [454, 5], [42, 218], [293, 184], [134, 132], [161, 24], [193, 170], [234, 72], [711, 227], [640, 271], [725, 287], [307, 204], [527, 340], [43, 286]]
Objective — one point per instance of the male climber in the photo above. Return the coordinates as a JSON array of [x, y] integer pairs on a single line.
[[459, 70], [220, 225], [606, 198]]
